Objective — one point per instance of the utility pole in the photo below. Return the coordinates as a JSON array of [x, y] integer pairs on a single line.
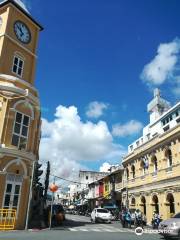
[[30, 197]]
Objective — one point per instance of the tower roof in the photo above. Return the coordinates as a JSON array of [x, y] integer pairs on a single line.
[[19, 2], [21, 6], [158, 103]]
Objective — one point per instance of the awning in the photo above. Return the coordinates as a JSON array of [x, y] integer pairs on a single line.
[[110, 206]]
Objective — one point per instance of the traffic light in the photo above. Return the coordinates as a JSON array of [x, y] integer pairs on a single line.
[[37, 174]]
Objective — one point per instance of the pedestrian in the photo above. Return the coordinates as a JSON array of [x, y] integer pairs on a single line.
[[122, 217], [128, 218]]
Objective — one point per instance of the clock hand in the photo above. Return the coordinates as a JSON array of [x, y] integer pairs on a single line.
[[20, 31]]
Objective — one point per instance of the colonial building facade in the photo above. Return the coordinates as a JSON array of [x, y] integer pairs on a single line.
[[19, 107], [152, 166]]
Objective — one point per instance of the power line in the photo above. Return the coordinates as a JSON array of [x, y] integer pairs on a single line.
[[67, 180]]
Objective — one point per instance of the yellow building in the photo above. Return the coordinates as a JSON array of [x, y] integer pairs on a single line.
[[19, 106], [152, 165], [107, 188]]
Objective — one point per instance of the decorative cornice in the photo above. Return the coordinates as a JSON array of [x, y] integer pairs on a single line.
[[155, 186], [11, 78], [23, 92], [160, 143], [18, 154]]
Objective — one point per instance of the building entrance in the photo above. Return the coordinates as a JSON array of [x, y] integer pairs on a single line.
[[12, 192]]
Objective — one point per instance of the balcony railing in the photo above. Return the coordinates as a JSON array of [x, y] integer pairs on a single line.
[[169, 169], [154, 174], [143, 177]]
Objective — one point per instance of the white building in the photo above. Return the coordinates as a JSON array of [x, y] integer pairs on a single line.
[[162, 118]]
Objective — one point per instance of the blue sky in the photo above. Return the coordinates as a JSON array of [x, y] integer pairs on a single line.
[[98, 63]]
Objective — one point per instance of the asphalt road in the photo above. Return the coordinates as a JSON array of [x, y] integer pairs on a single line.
[[80, 228]]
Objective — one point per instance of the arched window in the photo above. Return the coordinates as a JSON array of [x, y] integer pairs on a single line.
[[127, 173], [133, 171], [133, 201], [155, 202], [143, 167], [169, 157], [170, 200], [155, 163], [143, 204]]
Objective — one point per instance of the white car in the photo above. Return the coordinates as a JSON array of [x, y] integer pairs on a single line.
[[101, 215], [170, 227]]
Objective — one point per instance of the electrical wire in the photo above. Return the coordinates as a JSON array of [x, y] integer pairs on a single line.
[[67, 180]]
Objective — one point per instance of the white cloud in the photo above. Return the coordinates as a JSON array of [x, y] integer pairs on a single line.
[[96, 109], [164, 65], [105, 167], [176, 88], [68, 142], [130, 128]]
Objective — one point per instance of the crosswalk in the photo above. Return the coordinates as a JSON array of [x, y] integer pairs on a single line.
[[100, 229]]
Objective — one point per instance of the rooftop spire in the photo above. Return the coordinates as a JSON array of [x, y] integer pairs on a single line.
[[157, 106]]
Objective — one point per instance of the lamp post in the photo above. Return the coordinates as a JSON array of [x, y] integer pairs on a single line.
[[53, 188], [127, 200]]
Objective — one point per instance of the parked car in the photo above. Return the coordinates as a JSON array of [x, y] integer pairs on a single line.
[[101, 215], [58, 214], [114, 211], [170, 227]]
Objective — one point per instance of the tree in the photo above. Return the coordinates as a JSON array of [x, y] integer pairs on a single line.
[[46, 183], [37, 174]]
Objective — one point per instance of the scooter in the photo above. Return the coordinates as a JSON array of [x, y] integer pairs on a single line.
[[155, 222], [138, 222]]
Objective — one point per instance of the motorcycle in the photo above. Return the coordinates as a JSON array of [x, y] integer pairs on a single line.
[[87, 213], [138, 222], [155, 222]]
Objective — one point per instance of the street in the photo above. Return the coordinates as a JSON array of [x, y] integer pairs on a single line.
[[79, 227]]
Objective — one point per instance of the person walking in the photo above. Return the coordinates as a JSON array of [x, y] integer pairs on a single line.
[[128, 218], [122, 217]]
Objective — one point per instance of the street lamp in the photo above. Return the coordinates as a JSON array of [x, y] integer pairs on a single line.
[[127, 200], [53, 188]]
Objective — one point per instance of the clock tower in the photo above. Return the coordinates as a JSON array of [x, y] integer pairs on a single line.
[[19, 106]]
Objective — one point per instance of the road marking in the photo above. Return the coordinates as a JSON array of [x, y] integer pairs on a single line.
[[83, 229], [73, 229], [101, 229], [108, 230], [96, 230]]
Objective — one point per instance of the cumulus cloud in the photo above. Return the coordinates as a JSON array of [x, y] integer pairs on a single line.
[[96, 109], [130, 128], [69, 143], [105, 167], [176, 87], [164, 66]]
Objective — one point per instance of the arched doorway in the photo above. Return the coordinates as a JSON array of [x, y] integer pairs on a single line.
[[155, 203], [143, 204], [170, 203]]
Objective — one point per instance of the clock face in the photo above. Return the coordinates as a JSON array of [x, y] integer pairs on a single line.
[[22, 32]]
